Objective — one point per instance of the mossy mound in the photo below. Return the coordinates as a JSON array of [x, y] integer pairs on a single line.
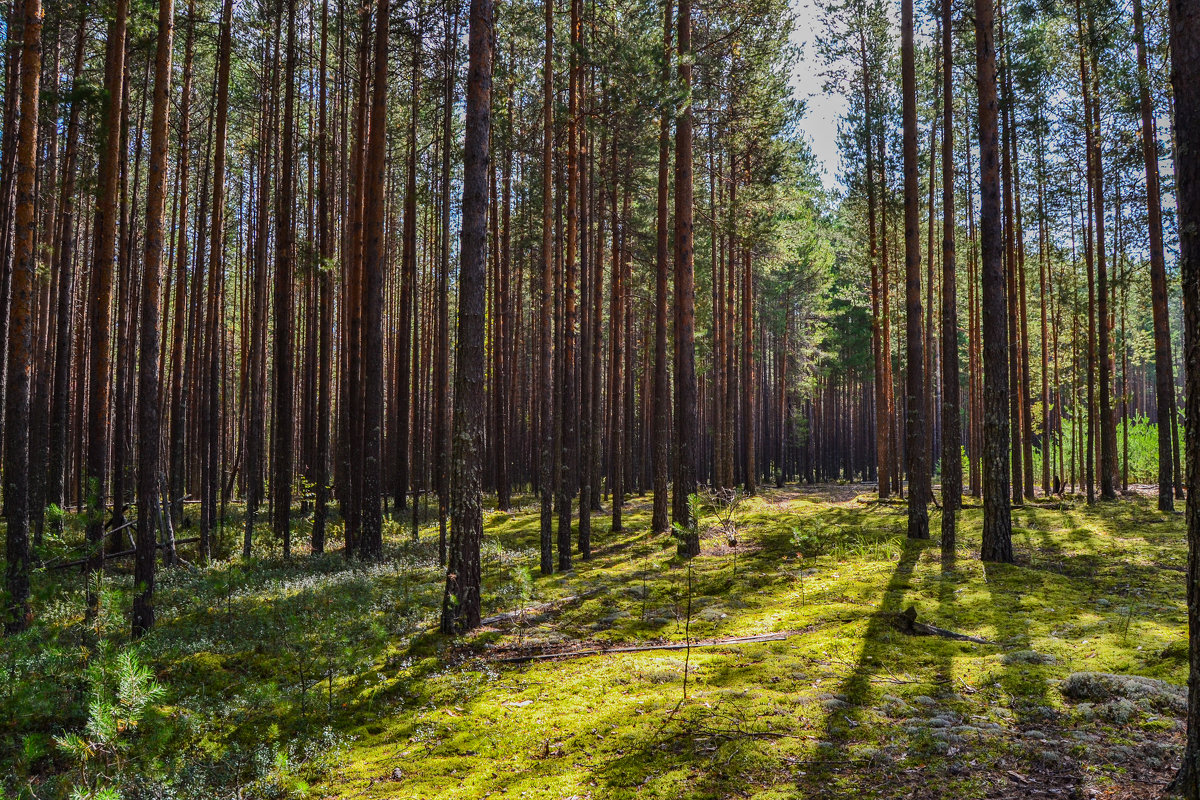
[[1105, 687]]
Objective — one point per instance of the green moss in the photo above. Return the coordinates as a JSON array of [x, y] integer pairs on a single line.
[[274, 651]]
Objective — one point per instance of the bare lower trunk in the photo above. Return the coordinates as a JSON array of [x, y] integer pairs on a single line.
[[997, 521], [20, 332], [149, 443], [951, 425], [916, 445], [460, 607], [686, 423], [1185, 78]]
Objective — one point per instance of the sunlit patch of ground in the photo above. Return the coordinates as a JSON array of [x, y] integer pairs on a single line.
[[846, 706]]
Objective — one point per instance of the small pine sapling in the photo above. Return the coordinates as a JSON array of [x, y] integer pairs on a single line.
[[681, 533], [725, 504], [120, 688]]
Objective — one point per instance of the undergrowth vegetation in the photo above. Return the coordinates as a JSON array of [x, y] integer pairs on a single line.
[[318, 677]]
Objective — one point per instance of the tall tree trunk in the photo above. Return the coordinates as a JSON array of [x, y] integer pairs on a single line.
[[1010, 271], [100, 293], [45, 288], [1089, 257], [1108, 432], [284, 345], [546, 377], [149, 438], [371, 546], [460, 608], [997, 516], [256, 366], [569, 476], [64, 269], [325, 191], [124, 401], [660, 520], [1185, 79], [1164, 380], [616, 384], [502, 363], [1047, 445], [885, 301], [686, 423], [951, 417], [8, 158], [749, 390], [441, 427], [352, 398], [408, 279], [587, 265], [916, 446], [210, 472], [883, 458], [179, 398], [20, 330], [596, 319]]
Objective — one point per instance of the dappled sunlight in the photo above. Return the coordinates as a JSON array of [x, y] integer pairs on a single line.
[[842, 702]]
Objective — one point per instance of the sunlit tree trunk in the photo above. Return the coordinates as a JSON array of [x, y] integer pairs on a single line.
[[20, 330], [1164, 380], [441, 426], [951, 417], [660, 520], [1108, 433], [997, 520], [1010, 272], [460, 607], [883, 456]]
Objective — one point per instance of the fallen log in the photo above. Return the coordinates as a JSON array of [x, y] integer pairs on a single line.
[[537, 609], [906, 622], [604, 651], [127, 524], [119, 554]]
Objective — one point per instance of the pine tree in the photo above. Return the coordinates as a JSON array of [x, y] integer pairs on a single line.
[[460, 607], [20, 330], [916, 447], [149, 440], [685, 299], [997, 519]]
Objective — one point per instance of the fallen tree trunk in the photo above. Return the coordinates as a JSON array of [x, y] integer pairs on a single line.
[[906, 622], [119, 554], [508, 616], [602, 651]]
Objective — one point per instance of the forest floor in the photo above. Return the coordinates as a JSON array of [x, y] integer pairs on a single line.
[[315, 677]]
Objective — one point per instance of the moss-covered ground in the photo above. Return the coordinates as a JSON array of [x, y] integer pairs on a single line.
[[322, 678]]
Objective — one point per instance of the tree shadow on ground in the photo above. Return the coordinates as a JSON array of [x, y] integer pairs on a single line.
[[844, 757], [1035, 755]]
